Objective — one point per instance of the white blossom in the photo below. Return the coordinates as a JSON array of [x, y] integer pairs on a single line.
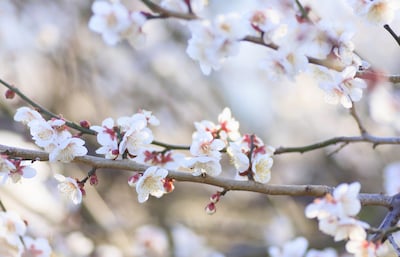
[[26, 115], [70, 188], [261, 167], [204, 165], [38, 247], [151, 183], [114, 22], [295, 248], [67, 150], [343, 87]]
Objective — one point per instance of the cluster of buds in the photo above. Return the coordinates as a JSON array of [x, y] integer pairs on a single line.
[[211, 207]]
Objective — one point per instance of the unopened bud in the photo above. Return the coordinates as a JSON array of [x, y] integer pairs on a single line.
[[85, 124], [169, 185], [215, 197], [134, 179], [9, 94], [94, 180], [211, 208]]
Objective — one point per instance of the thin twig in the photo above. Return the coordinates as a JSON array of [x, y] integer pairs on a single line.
[[45, 111], [392, 33], [168, 13], [354, 114], [225, 183], [335, 140]]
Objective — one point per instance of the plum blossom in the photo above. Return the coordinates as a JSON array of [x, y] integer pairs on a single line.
[[261, 167], [48, 134], [107, 138], [250, 155], [67, 150], [115, 22], [268, 22], [284, 62], [335, 213], [204, 165], [70, 188], [204, 144], [228, 127], [151, 183], [376, 12], [361, 248], [14, 170], [343, 87], [238, 157], [52, 135], [212, 42], [295, 248], [26, 115], [38, 247], [150, 241]]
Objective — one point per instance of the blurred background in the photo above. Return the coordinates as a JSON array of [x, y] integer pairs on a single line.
[[48, 52]]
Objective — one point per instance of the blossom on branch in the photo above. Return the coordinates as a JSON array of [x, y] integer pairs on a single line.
[[151, 183], [378, 12], [212, 42], [107, 137], [203, 165], [26, 115], [14, 170], [67, 150], [115, 22], [343, 86], [70, 188], [251, 158], [38, 247]]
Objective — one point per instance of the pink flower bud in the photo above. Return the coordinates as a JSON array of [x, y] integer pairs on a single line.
[[94, 180], [134, 179], [9, 94], [85, 124], [211, 208], [215, 197], [169, 185]]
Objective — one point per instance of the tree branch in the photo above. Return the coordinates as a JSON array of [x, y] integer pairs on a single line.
[[367, 138], [225, 183]]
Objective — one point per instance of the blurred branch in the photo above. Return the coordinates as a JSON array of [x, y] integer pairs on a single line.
[[225, 183], [167, 13]]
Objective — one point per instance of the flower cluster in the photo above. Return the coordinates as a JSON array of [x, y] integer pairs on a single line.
[[15, 242], [295, 41], [212, 42], [251, 158], [14, 170], [115, 22], [335, 213], [207, 142], [129, 136], [52, 135], [377, 12], [70, 188]]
